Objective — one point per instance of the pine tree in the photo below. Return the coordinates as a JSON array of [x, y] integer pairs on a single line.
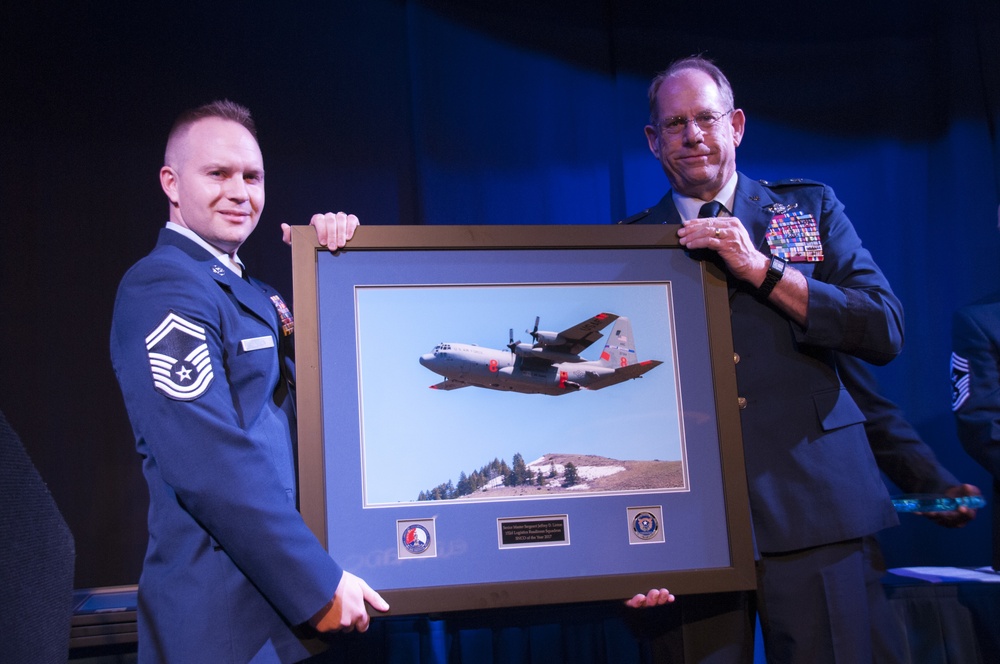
[[570, 476], [519, 473], [464, 487]]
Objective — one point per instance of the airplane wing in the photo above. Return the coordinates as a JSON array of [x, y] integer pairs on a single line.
[[577, 338], [624, 373], [447, 385]]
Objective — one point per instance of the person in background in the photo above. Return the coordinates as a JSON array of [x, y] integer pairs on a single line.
[[803, 289], [204, 357], [900, 452], [975, 396], [904, 457]]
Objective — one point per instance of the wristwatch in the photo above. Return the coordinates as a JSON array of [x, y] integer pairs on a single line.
[[774, 273]]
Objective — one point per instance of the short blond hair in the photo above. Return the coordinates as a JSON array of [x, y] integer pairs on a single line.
[[222, 108]]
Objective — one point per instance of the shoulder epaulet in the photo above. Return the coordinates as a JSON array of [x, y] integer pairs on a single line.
[[636, 217], [790, 182]]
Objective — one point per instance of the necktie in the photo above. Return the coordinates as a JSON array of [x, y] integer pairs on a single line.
[[712, 209]]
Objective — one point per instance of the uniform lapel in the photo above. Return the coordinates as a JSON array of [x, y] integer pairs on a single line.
[[750, 203], [248, 295], [665, 211]]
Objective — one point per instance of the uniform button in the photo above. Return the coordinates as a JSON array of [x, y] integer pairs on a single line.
[[742, 401], [736, 358]]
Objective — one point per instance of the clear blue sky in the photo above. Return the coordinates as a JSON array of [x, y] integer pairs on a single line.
[[416, 438]]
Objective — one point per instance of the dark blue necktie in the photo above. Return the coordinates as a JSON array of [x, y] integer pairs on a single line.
[[712, 209]]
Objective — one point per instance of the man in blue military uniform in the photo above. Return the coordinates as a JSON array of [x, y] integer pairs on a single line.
[[975, 401], [803, 289], [205, 362]]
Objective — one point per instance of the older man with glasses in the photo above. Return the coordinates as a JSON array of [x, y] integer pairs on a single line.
[[802, 290]]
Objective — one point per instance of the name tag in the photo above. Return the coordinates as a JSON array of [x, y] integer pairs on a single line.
[[257, 343]]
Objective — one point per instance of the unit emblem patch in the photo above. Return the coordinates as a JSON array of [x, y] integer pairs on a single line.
[[416, 539], [645, 525]]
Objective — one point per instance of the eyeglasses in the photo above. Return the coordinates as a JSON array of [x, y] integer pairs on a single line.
[[706, 121]]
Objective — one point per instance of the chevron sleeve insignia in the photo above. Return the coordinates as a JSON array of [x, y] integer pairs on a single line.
[[179, 358]]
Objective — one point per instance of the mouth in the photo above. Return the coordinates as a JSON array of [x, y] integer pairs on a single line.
[[694, 159], [236, 216]]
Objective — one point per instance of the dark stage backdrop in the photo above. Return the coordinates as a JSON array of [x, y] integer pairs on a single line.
[[467, 112]]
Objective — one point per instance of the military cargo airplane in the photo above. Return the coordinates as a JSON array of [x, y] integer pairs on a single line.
[[550, 365]]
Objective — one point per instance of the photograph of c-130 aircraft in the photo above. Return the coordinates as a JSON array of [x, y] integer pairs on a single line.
[[551, 364]]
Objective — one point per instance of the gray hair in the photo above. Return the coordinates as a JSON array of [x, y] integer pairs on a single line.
[[697, 63]]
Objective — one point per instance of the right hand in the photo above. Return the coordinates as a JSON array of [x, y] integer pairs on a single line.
[[959, 517], [332, 230], [346, 611]]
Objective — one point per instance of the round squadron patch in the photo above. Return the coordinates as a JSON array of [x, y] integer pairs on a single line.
[[416, 539], [645, 525], [179, 358]]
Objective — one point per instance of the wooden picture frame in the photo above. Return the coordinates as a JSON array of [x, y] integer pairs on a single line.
[[369, 427]]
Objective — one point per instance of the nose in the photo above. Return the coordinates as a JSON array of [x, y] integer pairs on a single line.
[[693, 133], [236, 189]]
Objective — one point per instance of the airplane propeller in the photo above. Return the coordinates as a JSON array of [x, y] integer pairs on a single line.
[[534, 332], [512, 344]]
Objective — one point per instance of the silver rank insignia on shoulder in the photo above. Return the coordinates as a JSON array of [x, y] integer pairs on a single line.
[[179, 358], [780, 208], [218, 269], [959, 381]]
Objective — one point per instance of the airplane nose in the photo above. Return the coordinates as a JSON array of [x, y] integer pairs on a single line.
[[426, 358]]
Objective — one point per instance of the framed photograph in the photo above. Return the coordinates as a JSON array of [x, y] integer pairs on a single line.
[[499, 416]]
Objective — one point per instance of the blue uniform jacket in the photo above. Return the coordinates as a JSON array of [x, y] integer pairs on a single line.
[[975, 369], [811, 474], [207, 373]]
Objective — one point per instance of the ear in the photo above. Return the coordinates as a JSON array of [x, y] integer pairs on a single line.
[[739, 124], [653, 139], [168, 181]]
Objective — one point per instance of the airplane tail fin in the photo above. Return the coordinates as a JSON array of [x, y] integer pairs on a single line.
[[619, 351]]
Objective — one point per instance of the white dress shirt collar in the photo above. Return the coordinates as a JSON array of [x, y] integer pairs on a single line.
[[689, 207], [232, 262]]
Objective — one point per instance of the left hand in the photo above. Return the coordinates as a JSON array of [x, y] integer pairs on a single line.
[[727, 237], [333, 230], [655, 597], [347, 610]]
